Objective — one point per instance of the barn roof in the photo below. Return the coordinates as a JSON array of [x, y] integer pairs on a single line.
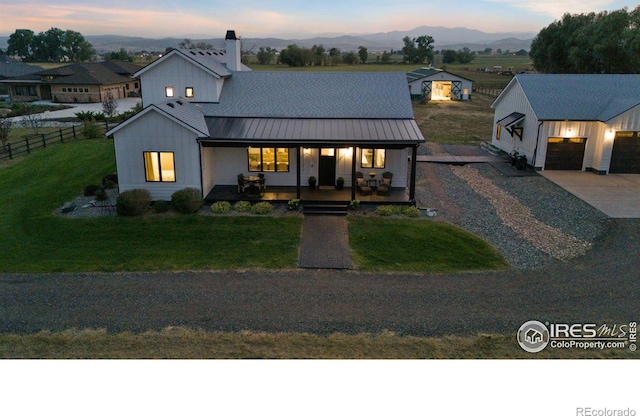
[[596, 97], [313, 95], [421, 73]]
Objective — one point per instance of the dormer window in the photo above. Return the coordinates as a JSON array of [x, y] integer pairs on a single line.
[[168, 92], [188, 92]]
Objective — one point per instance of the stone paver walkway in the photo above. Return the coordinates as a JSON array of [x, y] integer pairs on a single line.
[[325, 243]]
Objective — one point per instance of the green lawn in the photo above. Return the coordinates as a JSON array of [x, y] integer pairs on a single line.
[[33, 239], [420, 246]]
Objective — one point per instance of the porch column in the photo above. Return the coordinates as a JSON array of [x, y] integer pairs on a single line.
[[298, 170], [412, 184], [353, 174]]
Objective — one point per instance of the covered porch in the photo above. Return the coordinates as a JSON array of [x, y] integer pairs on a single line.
[[320, 194]]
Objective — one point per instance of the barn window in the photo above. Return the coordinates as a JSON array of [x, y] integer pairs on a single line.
[[373, 158], [268, 159], [159, 167], [188, 92], [168, 92], [498, 131]]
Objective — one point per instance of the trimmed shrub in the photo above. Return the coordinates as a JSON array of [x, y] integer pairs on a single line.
[[160, 207], [112, 177], [293, 204], [90, 190], [411, 212], [242, 206], [187, 201], [262, 208], [387, 210], [133, 202], [221, 207], [109, 185], [354, 205]]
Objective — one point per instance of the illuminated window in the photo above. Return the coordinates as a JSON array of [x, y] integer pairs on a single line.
[[159, 167], [188, 92], [373, 158], [168, 91], [268, 159]]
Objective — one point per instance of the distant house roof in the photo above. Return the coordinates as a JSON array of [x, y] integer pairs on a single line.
[[10, 68], [313, 95], [597, 97], [428, 72], [98, 73]]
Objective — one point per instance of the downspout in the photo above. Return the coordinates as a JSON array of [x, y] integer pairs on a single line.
[[412, 184], [298, 171], [535, 152], [353, 173]]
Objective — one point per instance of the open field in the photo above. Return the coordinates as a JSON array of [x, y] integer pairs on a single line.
[[182, 343]]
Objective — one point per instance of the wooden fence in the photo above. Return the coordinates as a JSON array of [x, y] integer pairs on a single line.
[[492, 90], [41, 140]]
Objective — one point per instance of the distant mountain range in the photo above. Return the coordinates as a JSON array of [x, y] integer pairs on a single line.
[[445, 38]]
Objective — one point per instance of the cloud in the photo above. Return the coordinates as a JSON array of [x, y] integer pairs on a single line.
[[557, 9]]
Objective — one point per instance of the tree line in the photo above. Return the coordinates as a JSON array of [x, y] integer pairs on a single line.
[[54, 45], [593, 43]]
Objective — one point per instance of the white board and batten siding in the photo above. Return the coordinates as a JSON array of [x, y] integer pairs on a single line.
[[415, 87], [156, 133], [514, 100], [178, 73]]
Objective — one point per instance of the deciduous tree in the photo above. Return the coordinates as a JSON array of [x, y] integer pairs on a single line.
[[363, 53]]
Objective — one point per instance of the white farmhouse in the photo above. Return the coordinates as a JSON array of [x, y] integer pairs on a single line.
[[571, 122], [208, 118]]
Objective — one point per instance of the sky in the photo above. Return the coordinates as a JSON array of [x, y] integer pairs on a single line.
[[285, 18]]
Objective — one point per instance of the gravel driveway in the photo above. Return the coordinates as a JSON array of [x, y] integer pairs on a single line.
[[598, 284]]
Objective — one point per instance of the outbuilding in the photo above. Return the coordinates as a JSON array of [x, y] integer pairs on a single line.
[[571, 121], [438, 85]]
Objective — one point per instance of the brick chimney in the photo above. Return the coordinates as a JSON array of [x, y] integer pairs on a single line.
[[234, 55]]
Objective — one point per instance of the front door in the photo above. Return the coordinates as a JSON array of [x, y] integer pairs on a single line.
[[327, 167]]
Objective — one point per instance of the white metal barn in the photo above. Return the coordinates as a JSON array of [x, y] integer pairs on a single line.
[[571, 122], [207, 118], [438, 85]]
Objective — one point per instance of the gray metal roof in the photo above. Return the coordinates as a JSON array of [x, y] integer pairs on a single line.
[[313, 95], [511, 119], [185, 112], [598, 97], [314, 131]]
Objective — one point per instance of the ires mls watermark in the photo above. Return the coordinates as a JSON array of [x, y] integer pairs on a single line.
[[535, 336], [589, 411]]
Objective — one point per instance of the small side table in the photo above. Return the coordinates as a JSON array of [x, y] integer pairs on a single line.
[[372, 183]]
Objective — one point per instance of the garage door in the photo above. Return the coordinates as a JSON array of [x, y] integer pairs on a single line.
[[565, 153], [625, 156]]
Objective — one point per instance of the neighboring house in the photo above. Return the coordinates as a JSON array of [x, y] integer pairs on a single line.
[[208, 118], [571, 122], [76, 83], [436, 84]]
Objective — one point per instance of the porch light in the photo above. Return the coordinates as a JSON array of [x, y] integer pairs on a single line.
[[569, 132], [306, 151], [610, 134]]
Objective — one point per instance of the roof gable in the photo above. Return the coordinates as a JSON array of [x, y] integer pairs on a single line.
[[183, 112], [314, 95], [210, 61], [597, 97], [429, 72]]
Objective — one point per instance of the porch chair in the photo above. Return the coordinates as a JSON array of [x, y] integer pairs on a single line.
[[262, 182], [385, 184], [361, 184], [243, 184]]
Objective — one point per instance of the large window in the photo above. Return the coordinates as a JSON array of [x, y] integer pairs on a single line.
[[159, 167], [29, 90], [373, 158], [268, 159]]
